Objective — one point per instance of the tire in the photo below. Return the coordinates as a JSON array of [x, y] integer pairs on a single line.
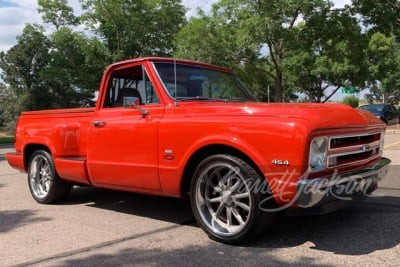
[[44, 183], [224, 203]]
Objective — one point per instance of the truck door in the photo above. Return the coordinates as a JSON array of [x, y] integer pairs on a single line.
[[122, 145]]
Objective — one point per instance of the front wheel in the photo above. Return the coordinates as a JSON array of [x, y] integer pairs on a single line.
[[44, 183], [226, 199]]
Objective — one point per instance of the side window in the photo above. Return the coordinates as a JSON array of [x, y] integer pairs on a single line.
[[149, 92], [130, 82]]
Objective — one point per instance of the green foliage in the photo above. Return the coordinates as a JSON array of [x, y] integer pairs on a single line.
[[265, 25], [22, 66], [63, 69], [2, 100], [202, 39], [47, 72], [11, 106], [323, 49], [380, 16], [384, 67], [75, 69], [383, 21], [134, 28], [329, 56], [6, 140], [278, 48], [351, 100], [58, 13]]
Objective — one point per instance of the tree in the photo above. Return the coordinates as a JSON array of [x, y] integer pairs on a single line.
[[2, 100], [46, 72], [330, 55], [22, 66], [63, 69], [299, 46], [58, 13], [205, 39], [383, 16], [11, 106], [133, 28], [260, 34], [382, 19], [384, 67], [74, 71]]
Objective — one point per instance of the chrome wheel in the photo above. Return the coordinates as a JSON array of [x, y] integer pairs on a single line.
[[223, 198], [44, 183], [40, 176]]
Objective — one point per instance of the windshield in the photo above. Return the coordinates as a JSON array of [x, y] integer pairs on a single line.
[[373, 108], [191, 83]]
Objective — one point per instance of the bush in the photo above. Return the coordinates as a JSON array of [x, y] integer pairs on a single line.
[[6, 140], [351, 100]]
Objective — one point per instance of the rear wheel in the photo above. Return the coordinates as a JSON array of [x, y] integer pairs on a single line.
[[44, 183], [224, 202]]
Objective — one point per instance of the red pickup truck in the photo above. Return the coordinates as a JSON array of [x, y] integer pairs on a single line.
[[174, 127]]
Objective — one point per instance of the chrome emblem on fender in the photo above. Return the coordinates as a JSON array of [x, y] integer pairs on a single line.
[[169, 155], [280, 162]]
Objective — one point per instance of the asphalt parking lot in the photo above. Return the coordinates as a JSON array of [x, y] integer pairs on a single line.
[[109, 228]]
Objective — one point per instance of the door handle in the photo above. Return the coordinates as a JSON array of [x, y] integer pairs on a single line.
[[99, 124]]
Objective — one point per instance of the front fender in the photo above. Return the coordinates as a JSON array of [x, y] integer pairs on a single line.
[[261, 140]]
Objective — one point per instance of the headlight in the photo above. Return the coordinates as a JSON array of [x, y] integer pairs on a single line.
[[318, 150]]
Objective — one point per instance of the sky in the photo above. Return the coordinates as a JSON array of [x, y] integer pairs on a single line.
[[14, 14]]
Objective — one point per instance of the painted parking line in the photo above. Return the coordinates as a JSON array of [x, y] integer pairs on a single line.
[[392, 144]]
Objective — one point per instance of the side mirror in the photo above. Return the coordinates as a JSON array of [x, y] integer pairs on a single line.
[[133, 102], [130, 102]]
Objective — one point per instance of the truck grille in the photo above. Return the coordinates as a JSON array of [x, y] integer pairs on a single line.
[[349, 149]]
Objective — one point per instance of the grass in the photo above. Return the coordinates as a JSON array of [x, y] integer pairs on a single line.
[[7, 140]]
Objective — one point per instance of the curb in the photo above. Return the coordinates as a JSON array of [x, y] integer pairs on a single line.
[[6, 145], [393, 131]]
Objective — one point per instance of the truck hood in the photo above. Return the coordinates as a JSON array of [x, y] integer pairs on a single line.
[[320, 115]]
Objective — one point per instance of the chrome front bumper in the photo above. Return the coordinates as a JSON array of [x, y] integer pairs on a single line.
[[344, 187]]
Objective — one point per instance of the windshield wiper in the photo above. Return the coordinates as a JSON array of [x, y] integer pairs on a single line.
[[200, 98], [237, 99], [203, 98]]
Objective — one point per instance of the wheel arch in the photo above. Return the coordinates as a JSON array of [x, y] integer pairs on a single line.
[[30, 149], [207, 151]]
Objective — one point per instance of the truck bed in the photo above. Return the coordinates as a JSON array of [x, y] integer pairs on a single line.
[[63, 131]]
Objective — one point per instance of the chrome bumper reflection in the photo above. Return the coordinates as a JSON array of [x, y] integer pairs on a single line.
[[313, 192]]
